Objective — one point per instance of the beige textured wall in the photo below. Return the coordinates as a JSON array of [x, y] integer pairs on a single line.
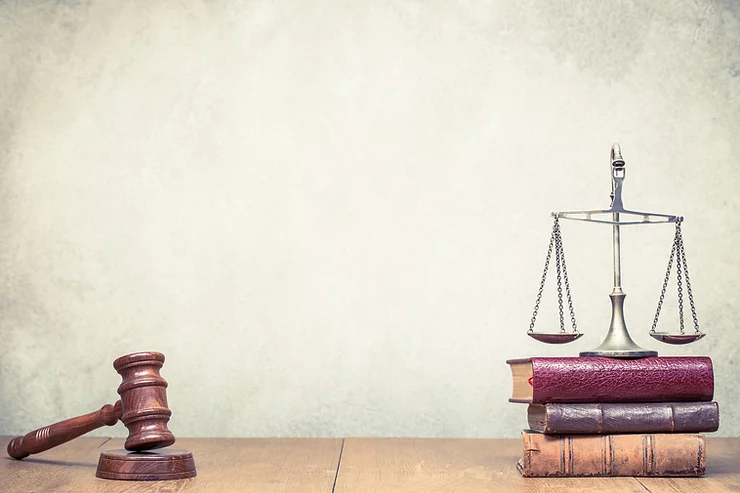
[[332, 216]]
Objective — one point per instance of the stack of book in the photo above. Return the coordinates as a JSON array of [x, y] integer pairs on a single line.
[[591, 416]]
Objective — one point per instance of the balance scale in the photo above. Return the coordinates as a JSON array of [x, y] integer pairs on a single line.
[[617, 343]]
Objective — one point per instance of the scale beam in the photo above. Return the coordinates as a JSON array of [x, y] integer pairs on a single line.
[[641, 217]]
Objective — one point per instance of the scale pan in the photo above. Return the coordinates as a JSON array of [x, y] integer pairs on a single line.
[[669, 338], [555, 338]]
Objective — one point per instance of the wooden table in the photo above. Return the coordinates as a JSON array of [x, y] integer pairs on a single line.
[[377, 465]]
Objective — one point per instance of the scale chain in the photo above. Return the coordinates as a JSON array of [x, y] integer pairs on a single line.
[[558, 265], [682, 272], [556, 240], [567, 284], [665, 286], [688, 282], [544, 277], [679, 277]]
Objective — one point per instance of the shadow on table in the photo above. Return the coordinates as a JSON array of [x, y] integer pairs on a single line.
[[52, 462]]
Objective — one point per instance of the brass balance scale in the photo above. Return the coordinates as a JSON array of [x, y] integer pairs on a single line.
[[618, 343]]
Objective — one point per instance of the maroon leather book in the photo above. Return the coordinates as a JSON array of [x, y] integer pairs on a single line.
[[623, 417], [587, 379]]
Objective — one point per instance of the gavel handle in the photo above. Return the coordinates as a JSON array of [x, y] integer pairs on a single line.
[[64, 431]]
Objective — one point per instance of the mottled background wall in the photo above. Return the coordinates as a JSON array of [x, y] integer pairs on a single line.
[[332, 216]]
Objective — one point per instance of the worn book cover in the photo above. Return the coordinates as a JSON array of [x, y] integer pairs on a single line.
[[605, 418], [596, 379], [669, 454]]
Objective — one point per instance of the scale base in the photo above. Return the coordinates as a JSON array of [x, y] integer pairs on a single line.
[[618, 343], [630, 354]]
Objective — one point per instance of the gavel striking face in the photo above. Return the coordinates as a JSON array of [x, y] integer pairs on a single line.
[[142, 409]]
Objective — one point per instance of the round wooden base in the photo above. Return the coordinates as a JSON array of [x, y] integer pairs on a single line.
[[150, 465]]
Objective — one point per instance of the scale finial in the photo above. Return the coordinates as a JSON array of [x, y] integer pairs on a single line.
[[616, 157]]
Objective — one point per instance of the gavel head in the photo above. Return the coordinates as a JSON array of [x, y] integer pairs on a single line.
[[144, 401]]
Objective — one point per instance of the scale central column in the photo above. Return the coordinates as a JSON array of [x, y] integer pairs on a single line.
[[618, 343]]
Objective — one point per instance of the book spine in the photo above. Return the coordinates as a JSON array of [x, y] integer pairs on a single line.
[[605, 418], [655, 379], [613, 455]]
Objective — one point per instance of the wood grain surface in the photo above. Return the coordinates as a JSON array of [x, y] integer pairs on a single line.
[[419, 465], [354, 465]]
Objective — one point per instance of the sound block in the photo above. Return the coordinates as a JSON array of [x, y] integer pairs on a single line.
[[150, 465]]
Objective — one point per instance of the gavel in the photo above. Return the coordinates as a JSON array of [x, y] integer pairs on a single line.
[[142, 409]]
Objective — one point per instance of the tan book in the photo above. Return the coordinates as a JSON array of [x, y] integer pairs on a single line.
[[664, 454]]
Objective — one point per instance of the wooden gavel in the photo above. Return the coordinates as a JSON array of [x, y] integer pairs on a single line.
[[142, 409]]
